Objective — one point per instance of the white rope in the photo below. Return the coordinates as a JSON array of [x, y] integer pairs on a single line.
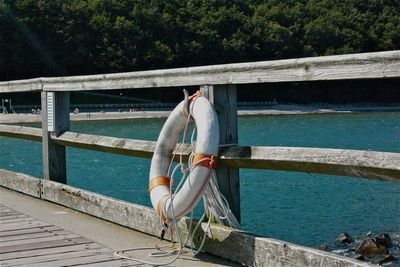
[[215, 205]]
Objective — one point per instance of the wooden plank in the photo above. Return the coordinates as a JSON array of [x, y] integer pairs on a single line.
[[16, 220], [52, 237], [117, 263], [356, 163], [22, 225], [14, 216], [54, 158], [4, 210], [48, 251], [33, 235], [5, 214], [78, 261], [21, 132], [20, 182], [49, 244], [9, 215], [2, 207], [137, 148], [345, 162], [339, 67], [122, 146], [224, 99], [34, 230], [28, 85], [55, 256]]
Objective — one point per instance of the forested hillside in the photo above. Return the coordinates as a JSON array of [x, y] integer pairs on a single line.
[[69, 37]]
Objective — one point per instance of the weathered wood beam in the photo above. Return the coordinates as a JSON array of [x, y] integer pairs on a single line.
[[345, 162], [235, 245], [55, 120], [20, 182], [27, 85], [224, 100], [340, 67], [356, 163], [21, 132], [128, 147]]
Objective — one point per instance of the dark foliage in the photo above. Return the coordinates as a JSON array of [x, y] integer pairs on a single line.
[[58, 37]]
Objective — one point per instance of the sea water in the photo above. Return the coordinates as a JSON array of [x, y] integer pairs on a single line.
[[303, 208]]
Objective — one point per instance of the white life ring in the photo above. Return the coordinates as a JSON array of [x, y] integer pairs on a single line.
[[206, 151]]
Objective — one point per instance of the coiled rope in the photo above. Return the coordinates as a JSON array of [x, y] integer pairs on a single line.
[[215, 206]]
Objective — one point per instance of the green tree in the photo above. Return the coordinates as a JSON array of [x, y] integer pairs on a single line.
[[58, 37]]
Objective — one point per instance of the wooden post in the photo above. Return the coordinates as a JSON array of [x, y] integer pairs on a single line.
[[224, 99], [55, 120]]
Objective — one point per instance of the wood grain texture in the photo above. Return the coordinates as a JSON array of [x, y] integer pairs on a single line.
[[20, 182], [21, 132], [355, 163], [51, 257], [340, 67], [53, 154], [31, 254], [48, 245], [224, 100], [122, 146], [345, 162]]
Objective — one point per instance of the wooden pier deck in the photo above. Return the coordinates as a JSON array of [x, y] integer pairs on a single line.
[[38, 233]]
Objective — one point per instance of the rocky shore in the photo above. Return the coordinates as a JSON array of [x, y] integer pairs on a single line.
[[381, 248]]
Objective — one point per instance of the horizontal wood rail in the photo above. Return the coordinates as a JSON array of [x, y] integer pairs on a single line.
[[21, 132], [340, 67], [356, 163]]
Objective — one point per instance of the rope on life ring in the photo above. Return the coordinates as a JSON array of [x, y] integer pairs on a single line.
[[199, 178], [182, 201]]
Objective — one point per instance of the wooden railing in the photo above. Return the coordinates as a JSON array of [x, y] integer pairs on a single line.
[[363, 164], [343, 67], [218, 84]]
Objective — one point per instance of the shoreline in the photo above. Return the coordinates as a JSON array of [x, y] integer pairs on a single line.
[[279, 109]]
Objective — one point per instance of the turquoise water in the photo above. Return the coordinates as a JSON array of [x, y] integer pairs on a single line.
[[302, 208]]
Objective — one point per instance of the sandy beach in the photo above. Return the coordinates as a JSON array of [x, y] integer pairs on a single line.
[[273, 110]]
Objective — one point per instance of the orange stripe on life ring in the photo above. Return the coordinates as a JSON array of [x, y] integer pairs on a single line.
[[159, 180], [205, 160], [160, 204]]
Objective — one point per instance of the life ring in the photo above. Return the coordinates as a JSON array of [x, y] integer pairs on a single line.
[[206, 151]]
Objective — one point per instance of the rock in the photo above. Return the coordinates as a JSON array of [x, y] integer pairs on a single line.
[[388, 258], [384, 240], [360, 257], [344, 238], [324, 247], [369, 247]]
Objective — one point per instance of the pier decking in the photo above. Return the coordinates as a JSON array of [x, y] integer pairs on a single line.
[[38, 233]]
